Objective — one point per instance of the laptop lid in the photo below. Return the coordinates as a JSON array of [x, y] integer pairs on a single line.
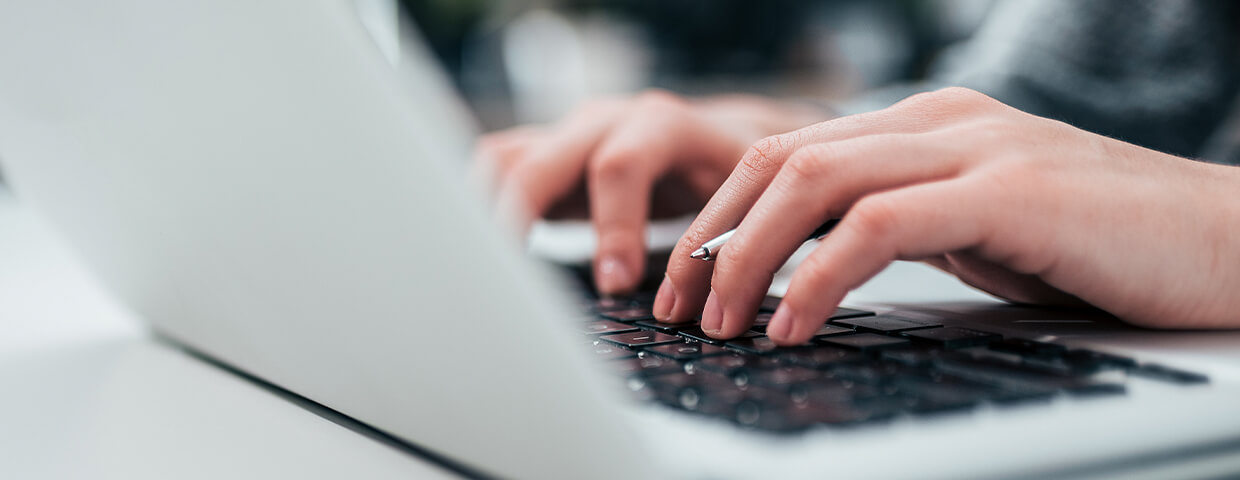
[[254, 180]]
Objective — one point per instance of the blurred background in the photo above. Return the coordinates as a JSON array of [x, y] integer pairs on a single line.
[[521, 61]]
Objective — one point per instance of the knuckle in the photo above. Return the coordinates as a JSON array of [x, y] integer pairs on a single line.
[[809, 164], [612, 164], [960, 94], [812, 270], [659, 99], [765, 154], [874, 217], [950, 99]]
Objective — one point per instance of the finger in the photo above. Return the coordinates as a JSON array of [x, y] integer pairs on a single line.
[[913, 222], [817, 183], [557, 164], [687, 281], [620, 179], [659, 134]]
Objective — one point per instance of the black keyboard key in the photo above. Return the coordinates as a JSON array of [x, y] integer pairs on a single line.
[[821, 356], [731, 364], [686, 350], [829, 329], [695, 333], [610, 304], [784, 377], [648, 366], [1021, 346], [845, 312], [886, 323], [863, 341], [930, 395], [760, 322], [1015, 377], [604, 327], [792, 417], [1168, 374], [758, 345], [627, 315], [917, 354], [952, 337], [607, 351], [873, 372], [706, 393], [640, 338], [668, 328], [1092, 360], [771, 303]]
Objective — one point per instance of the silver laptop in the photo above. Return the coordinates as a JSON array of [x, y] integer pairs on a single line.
[[269, 189]]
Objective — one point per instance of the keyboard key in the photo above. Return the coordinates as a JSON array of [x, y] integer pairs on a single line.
[[770, 303], [610, 304], [761, 345], [668, 328], [731, 364], [784, 377], [640, 339], [1092, 360], [1015, 377], [952, 337], [760, 322], [887, 323], [820, 356], [863, 341], [844, 312], [829, 329], [649, 366], [607, 351], [686, 350], [695, 333], [1021, 346], [604, 327], [918, 354], [1168, 374], [628, 314]]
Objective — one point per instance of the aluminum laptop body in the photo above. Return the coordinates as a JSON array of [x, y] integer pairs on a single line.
[[263, 185]]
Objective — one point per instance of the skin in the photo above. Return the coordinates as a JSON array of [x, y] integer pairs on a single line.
[[1026, 208], [623, 161]]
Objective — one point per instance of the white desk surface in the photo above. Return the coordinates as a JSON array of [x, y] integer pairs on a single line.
[[87, 393]]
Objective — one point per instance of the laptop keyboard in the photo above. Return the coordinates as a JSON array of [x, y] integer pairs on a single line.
[[859, 369]]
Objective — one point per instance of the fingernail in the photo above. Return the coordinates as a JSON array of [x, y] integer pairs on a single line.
[[781, 324], [712, 315], [664, 300], [612, 275]]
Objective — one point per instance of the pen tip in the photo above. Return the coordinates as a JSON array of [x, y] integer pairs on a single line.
[[700, 254]]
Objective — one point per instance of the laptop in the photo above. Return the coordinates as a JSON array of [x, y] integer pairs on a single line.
[[270, 190]]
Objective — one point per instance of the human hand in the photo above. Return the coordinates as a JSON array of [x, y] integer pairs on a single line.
[[622, 161], [1026, 208]]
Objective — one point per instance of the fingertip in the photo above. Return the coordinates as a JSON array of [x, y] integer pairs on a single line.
[[664, 300], [712, 316], [612, 275], [780, 327]]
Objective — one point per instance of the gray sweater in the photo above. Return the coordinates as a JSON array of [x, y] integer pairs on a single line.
[[1158, 73]]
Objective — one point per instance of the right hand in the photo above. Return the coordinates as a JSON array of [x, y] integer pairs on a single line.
[[622, 161]]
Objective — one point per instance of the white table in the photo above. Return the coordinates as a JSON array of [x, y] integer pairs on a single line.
[[88, 393]]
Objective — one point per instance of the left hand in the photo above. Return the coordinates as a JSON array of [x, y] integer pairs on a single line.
[[1029, 209]]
